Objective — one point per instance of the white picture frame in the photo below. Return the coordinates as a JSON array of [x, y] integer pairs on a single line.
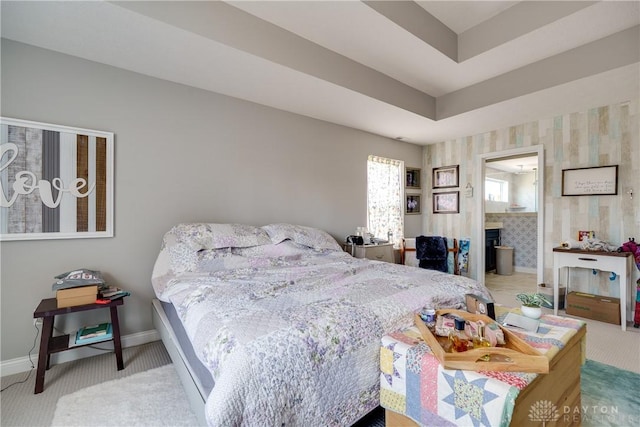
[[56, 181]]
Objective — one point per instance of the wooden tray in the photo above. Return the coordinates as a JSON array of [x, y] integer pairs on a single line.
[[515, 356]]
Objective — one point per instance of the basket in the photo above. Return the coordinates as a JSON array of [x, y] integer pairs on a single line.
[[515, 356]]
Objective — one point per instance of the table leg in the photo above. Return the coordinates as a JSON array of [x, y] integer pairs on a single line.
[[117, 345], [624, 289], [556, 285], [43, 355]]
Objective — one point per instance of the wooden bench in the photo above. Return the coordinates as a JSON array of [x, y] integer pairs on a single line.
[[560, 388]]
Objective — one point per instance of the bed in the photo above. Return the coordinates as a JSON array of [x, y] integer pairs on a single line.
[[277, 325]]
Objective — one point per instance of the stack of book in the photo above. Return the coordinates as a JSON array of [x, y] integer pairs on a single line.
[[96, 333], [112, 293]]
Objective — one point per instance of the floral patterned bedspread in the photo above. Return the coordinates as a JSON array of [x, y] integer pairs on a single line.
[[291, 335], [413, 382]]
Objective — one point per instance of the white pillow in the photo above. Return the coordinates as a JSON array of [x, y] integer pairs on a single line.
[[287, 248], [216, 236], [307, 236]]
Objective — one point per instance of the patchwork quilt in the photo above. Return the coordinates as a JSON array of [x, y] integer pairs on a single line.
[[290, 331], [413, 383]]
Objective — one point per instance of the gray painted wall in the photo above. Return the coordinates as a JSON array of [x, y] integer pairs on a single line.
[[181, 154]]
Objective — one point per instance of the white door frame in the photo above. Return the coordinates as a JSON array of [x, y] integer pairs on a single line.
[[479, 216]]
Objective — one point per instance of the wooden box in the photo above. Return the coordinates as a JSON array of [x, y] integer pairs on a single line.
[[515, 356], [604, 309], [547, 293], [80, 295]]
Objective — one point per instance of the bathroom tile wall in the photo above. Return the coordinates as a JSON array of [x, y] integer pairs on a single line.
[[520, 231]]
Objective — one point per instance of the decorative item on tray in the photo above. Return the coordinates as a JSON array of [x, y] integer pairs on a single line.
[[478, 305], [468, 341], [456, 328]]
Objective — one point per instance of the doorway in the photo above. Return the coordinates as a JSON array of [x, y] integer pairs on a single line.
[[488, 162]]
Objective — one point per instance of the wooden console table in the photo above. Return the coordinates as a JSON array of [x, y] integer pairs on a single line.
[[48, 309], [617, 262]]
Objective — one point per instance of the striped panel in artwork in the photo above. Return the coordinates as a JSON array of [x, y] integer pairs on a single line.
[[4, 180], [16, 217], [50, 155], [82, 171], [101, 184], [50, 170]]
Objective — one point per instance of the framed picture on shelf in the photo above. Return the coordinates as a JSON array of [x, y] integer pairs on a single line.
[[584, 235], [447, 202], [445, 177], [412, 205], [412, 178]]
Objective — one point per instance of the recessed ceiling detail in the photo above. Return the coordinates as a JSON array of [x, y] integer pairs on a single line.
[[416, 69]]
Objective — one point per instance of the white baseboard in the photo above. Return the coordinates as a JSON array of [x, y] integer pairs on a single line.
[[525, 270], [22, 364]]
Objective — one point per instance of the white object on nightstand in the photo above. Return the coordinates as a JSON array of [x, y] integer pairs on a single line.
[[382, 252]]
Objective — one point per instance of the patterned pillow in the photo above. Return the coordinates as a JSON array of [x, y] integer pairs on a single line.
[[283, 249], [213, 259], [307, 236], [200, 236], [181, 257]]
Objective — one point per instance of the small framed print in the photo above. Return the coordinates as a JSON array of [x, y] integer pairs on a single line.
[[584, 235], [446, 177], [412, 178], [447, 202], [412, 205]]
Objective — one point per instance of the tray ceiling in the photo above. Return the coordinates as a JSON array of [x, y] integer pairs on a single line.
[[419, 71]]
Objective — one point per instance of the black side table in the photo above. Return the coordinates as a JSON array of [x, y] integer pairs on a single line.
[[48, 309]]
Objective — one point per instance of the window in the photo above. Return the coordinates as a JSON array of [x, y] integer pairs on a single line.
[[496, 190], [384, 198]]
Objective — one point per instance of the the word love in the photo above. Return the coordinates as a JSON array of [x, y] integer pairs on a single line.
[[26, 183]]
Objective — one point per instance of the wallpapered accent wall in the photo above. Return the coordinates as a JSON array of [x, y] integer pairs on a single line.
[[606, 135]]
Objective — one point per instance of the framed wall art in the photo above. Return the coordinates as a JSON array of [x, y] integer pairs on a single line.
[[586, 235], [56, 181], [413, 205], [596, 181], [446, 202], [446, 177], [412, 178]]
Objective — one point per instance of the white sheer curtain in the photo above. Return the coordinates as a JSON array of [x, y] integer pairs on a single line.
[[384, 198]]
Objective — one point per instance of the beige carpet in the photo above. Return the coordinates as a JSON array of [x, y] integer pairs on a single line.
[[20, 407], [150, 398], [606, 343]]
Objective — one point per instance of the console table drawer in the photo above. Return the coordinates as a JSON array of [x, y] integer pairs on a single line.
[[599, 262]]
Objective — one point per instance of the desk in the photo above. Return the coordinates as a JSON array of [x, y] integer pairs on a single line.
[[617, 262], [48, 309]]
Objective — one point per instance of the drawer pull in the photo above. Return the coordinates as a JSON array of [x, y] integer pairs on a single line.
[[379, 256], [587, 259]]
